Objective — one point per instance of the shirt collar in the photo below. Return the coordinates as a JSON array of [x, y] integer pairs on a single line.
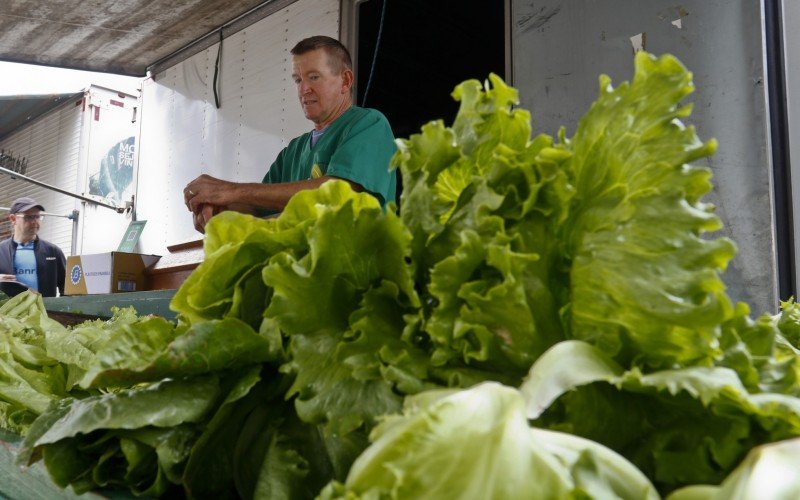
[[30, 244]]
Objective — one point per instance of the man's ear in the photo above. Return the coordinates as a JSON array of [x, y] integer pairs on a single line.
[[347, 80]]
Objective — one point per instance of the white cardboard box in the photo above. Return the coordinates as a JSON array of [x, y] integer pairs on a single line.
[[109, 272]]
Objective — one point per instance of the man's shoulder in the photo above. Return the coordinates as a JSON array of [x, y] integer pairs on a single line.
[[357, 121], [358, 113]]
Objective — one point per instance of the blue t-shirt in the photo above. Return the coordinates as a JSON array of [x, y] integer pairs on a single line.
[[25, 265], [315, 135]]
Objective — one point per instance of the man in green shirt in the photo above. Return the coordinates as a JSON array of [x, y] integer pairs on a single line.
[[348, 142]]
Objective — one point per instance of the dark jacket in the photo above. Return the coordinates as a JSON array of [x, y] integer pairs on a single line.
[[51, 266]]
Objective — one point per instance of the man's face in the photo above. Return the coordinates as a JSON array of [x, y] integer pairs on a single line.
[[323, 95], [26, 224]]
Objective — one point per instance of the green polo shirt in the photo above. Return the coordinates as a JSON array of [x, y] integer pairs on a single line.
[[357, 146]]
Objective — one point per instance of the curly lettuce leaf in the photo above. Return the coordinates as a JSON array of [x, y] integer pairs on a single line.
[[645, 283], [768, 471], [789, 322], [476, 443], [482, 201], [78, 345], [314, 296], [682, 426], [237, 246]]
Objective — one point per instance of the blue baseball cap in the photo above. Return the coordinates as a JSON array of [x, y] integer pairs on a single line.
[[23, 204]]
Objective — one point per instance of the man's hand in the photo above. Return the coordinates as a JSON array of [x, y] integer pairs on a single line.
[[8, 277], [203, 214], [244, 197], [209, 190]]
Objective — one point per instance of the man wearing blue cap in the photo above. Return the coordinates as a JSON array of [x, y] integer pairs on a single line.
[[28, 259]]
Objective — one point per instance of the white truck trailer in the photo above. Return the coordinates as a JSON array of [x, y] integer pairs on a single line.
[[85, 145]]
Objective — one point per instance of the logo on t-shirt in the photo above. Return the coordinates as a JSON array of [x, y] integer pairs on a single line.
[[25, 265], [75, 274]]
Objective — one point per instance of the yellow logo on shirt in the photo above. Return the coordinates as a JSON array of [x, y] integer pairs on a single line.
[[316, 172]]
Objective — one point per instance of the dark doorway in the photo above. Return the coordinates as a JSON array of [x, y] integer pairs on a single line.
[[427, 47]]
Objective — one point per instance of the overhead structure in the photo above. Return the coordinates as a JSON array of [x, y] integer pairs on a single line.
[[126, 38]]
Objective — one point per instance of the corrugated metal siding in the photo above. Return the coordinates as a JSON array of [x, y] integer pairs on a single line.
[[51, 145], [18, 110], [184, 134]]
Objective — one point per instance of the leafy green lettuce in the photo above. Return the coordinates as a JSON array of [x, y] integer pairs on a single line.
[[476, 443], [680, 426], [134, 438], [645, 283], [30, 379], [483, 202], [768, 471]]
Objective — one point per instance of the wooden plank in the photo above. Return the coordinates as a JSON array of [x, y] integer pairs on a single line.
[[172, 269]]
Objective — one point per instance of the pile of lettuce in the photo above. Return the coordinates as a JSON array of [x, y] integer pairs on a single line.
[[544, 317]]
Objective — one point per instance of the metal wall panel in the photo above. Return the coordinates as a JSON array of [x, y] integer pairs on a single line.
[[560, 47], [52, 145], [184, 134], [791, 18]]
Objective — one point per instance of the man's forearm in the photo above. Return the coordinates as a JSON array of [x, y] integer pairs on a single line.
[[276, 196], [206, 191]]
